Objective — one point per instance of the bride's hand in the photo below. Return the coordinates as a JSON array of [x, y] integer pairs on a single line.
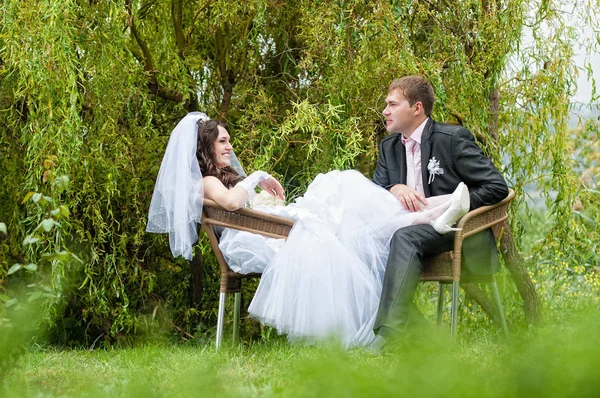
[[273, 187]]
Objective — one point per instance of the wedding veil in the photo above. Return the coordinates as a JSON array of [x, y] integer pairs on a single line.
[[176, 206]]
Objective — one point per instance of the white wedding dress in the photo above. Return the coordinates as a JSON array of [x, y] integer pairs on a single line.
[[324, 282]]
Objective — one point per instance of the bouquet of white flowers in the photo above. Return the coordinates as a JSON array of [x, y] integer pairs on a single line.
[[264, 198]]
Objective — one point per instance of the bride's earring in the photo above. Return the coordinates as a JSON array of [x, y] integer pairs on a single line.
[[459, 206]]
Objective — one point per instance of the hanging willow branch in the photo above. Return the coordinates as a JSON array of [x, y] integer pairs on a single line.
[[153, 84]]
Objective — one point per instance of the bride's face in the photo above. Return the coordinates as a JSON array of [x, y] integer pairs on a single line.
[[222, 149]]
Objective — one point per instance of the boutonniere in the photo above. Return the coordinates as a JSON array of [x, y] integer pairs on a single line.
[[434, 169]]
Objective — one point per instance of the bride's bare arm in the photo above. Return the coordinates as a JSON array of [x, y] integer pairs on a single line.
[[236, 197], [229, 199]]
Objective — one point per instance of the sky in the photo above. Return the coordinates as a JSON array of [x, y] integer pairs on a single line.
[[584, 88], [586, 31], [576, 14]]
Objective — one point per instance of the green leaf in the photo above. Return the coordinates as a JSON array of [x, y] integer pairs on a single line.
[[2, 227], [36, 197], [62, 182], [26, 198], [31, 267], [10, 303], [62, 255], [47, 224], [64, 211], [14, 268], [55, 212], [34, 296], [29, 239]]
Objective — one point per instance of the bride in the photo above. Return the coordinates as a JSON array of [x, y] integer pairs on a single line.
[[323, 282]]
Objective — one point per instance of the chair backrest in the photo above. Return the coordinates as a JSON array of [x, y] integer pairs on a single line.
[[243, 219], [246, 220], [446, 267]]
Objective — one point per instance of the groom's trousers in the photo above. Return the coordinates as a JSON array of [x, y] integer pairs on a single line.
[[407, 248]]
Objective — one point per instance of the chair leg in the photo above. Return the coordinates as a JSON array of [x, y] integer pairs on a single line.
[[440, 308], [220, 320], [500, 309], [454, 310], [236, 316]]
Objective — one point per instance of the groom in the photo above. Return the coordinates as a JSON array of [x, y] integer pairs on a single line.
[[423, 158]]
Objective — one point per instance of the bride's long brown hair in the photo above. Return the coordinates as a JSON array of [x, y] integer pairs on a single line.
[[208, 132]]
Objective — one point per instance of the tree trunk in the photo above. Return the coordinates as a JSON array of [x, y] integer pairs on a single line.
[[512, 259], [196, 280], [516, 266], [227, 95], [494, 112], [481, 298]]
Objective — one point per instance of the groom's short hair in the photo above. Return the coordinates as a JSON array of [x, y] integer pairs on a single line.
[[415, 89]]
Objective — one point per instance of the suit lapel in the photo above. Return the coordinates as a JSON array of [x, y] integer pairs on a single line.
[[401, 156], [425, 154]]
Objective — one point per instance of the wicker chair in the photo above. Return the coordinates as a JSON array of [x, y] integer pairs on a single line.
[[447, 267], [444, 268], [244, 220]]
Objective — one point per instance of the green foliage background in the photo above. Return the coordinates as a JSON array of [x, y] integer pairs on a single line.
[[92, 89]]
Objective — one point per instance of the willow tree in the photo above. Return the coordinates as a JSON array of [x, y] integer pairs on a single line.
[[91, 89], [503, 69]]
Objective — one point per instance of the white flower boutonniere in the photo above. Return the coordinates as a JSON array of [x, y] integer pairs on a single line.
[[434, 169]]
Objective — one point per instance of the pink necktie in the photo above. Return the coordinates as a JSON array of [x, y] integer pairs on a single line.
[[411, 176], [411, 145]]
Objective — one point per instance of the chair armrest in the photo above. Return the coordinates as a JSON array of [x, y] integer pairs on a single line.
[[485, 217], [245, 219], [476, 221]]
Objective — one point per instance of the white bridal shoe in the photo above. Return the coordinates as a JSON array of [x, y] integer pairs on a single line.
[[459, 206]]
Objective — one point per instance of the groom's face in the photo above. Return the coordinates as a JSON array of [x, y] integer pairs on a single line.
[[400, 117]]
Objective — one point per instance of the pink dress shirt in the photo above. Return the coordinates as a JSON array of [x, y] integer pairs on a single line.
[[412, 145]]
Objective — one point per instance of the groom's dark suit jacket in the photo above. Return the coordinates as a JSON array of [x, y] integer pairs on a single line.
[[461, 160]]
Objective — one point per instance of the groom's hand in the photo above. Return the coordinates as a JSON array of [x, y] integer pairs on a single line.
[[411, 199]]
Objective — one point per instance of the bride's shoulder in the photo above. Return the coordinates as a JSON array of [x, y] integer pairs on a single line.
[[212, 181]]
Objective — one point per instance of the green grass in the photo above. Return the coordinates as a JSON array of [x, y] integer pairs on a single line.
[[551, 361], [561, 358]]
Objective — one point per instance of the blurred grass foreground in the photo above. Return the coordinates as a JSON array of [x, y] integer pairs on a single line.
[[548, 361]]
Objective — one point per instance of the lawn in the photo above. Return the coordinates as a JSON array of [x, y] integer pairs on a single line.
[[558, 360]]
